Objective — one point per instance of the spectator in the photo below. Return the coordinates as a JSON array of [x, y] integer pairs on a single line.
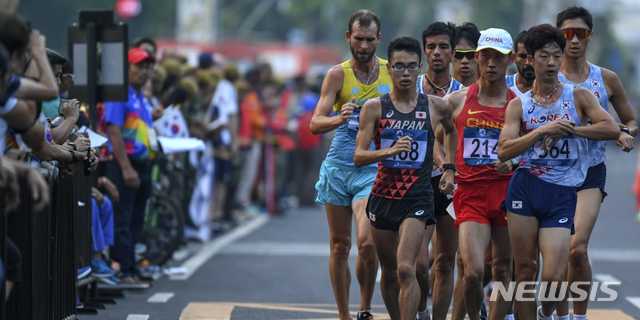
[[132, 143], [250, 138], [102, 228], [222, 118]]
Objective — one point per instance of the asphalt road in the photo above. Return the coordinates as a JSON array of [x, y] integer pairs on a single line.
[[279, 270]]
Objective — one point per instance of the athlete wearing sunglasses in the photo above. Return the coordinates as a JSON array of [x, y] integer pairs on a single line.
[[576, 24], [465, 68]]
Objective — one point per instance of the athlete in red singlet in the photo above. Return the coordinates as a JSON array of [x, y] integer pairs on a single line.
[[482, 179]]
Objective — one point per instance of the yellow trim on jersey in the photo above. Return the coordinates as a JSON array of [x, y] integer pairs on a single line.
[[352, 88]]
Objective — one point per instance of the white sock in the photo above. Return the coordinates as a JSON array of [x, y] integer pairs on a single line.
[[541, 315], [509, 317], [580, 317], [565, 317]]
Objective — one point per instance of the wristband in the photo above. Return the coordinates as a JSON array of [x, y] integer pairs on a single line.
[[449, 166]]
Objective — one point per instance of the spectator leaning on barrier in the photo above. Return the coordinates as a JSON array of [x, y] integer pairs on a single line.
[[24, 50], [132, 141]]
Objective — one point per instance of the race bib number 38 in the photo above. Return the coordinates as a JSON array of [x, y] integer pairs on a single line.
[[405, 160], [480, 146], [354, 121]]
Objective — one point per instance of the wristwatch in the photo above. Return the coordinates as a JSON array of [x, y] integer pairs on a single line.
[[626, 130], [514, 164], [449, 166]]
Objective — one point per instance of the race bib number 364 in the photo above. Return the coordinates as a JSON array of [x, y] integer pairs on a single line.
[[480, 146], [562, 152], [405, 160]]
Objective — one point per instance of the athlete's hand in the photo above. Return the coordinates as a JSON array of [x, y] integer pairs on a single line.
[[548, 143], [504, 167], [403, 144], [347, 110], [446, 182], [558, 128], [625, 141]]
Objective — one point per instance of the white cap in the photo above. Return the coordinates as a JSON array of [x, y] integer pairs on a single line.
[[497, 39]]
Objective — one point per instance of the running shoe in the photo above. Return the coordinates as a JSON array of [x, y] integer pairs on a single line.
[[101, 269], [364, 315], [84, 272]]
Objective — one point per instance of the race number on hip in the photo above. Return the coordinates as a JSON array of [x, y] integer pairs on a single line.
[[480, 146], [405, 160]]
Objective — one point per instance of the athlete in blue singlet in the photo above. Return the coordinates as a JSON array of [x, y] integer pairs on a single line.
[[521, 81], [438, 43], [342, 187], [546, 127], [576, 25]]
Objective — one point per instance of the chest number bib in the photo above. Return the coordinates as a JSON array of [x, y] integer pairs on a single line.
[[405, 160], [354, 121], [562, 151], [480, 146]]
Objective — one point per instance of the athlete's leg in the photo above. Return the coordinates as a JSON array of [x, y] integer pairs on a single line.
[[562, 309], [422, 270], [587, 208], [459, 311], [500, 269], [339, 218], [410, 236], [366, 261], [523, 233], [474, 240], [386, 246], [554, 247], [444, 252]]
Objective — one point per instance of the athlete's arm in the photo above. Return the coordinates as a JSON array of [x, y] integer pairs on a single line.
[[443, 114], [454, 101], [321, 122], [602, 125], [443, 117], [511, 144], [619, 100], [369, 116]]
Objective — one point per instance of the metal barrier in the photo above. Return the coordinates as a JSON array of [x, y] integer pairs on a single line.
[[52, 243]]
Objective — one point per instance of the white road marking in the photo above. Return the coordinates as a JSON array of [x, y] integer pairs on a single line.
[[267, 248], [607, 278], [138, 317], [210, 249], [321, 249], [615, 255], [635, 301], [160, 297]]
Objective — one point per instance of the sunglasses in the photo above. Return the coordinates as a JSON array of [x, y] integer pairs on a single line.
[[461, 54], [581, 33]]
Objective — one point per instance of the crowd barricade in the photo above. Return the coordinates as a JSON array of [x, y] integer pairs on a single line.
[[52, 243], [55, 242]]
